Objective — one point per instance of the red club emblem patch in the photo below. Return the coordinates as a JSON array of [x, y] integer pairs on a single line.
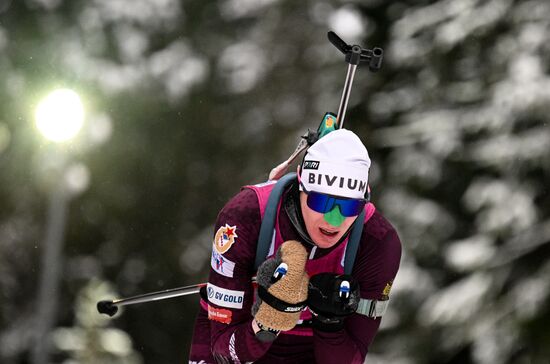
[[224, 238]]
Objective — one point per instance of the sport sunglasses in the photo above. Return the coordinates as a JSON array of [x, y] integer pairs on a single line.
[[323, 203]]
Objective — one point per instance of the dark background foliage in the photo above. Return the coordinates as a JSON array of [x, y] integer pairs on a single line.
[[187, 101]]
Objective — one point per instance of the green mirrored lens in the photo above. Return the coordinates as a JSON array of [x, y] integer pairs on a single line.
[[334, 217]]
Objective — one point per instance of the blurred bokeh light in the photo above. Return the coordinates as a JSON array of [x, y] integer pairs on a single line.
[[60, 115]]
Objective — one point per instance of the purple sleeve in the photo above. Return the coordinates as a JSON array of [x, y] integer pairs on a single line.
[[375, 268], [232, 337]]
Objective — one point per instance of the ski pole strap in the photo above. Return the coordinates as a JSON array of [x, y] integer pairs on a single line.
[[353, 242], [279, 304], [268, 220]]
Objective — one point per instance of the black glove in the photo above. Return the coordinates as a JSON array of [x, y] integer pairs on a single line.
[[332, 297]]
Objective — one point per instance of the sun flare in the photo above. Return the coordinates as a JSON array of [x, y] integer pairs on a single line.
[[60, 115]]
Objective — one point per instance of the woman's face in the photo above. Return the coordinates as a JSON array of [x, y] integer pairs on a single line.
[[323, 234]]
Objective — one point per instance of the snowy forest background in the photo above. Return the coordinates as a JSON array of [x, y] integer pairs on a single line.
[[186, 101]]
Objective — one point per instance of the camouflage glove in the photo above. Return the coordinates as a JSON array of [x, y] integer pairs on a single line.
[[282, 291], [332, 297]]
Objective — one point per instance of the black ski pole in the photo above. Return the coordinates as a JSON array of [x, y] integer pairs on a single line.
[[110, 307]]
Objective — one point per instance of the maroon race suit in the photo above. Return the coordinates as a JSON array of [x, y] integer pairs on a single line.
[[223, 328]]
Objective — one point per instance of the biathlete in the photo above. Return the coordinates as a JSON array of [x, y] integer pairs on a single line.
[[305, 305]]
